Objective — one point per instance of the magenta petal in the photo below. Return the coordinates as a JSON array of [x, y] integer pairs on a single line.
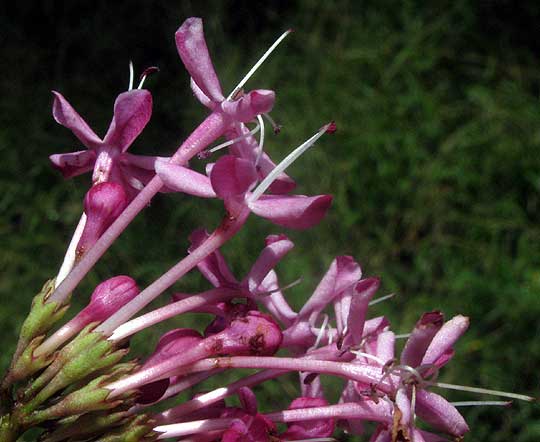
[[142, 161], [342, 273], [248, 400], [362, 294], [246, 108], [194, 54], [445, 338], [74, 163], [266, 261], [275, 303], [440, 413], [422, 335], [292, 211], [132, 111], [200, 95], [65, 115], [185, 180], [213, 267], [232, 176], [386, 342]]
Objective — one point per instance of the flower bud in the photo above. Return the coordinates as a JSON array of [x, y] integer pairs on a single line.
[[309, 429], [171, 343], [103, 203], [255, 333], [107, 298]]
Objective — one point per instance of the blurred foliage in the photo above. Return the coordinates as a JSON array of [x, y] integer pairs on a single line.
[[435, 167]]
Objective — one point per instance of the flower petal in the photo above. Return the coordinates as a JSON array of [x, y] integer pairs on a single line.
[[274, 251], [74, 163], [200, 95], [232, 176], [194, 54], [247, 107], [214, 267], [65, 115], [440, 413], [424, 331], [185, 180], [362, 294], [292, 211], [275, 302], [132, 111], [440, 347], [342, 273]]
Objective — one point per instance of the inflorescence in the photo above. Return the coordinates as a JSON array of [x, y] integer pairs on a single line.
[[77, 382]]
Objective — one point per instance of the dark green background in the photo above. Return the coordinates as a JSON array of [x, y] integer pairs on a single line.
[[435, 167]]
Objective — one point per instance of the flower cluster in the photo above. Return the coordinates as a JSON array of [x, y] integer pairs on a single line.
[[77, 382]]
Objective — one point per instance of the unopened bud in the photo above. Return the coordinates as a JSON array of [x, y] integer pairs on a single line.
[[103, 203]]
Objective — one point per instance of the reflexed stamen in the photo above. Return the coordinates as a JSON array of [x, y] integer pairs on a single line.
[[275, 127], [368, 356], [261, 141], [286, 162], [207, 152], [403, 336], [520, 397], [131, 75], [381, 299], [281, 289], [258, 64], [148, 71], [481, 403]]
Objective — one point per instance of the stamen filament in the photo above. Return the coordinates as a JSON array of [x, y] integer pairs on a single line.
[[131, 75], [403, 336], [258, 64], [381, 299], [367, 356], [275, 127], [481, 403], [286, 162], [234, 140], [320, 334], [281, 289], [261, 141], [520, 397], [145, 74]]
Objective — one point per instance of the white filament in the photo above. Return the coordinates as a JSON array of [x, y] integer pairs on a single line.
[[131, 75], [257, 65], [261, 141], [241, 137], [480, 403], [382, 298], [520, 397], [286, 162]]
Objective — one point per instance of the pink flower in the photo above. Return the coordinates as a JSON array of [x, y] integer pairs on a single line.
[[107, 157], [193, 51]]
